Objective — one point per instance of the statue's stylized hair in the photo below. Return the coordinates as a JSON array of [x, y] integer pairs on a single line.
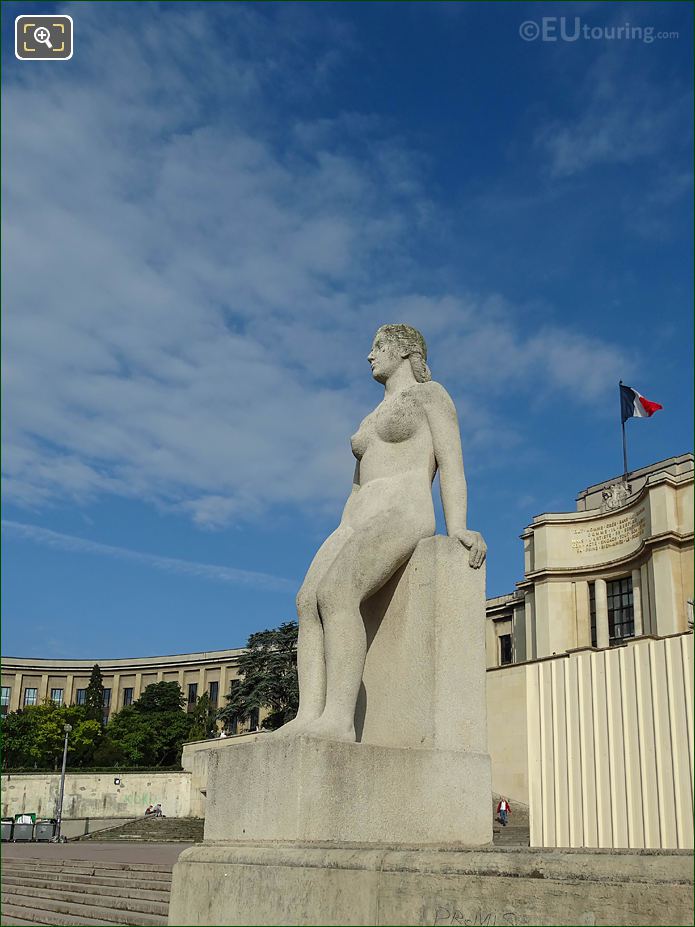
[[411, 343]]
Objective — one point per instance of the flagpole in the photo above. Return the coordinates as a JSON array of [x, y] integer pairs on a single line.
[[622, 423]]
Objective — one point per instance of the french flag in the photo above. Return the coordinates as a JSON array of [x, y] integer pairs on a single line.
[[634, 404]]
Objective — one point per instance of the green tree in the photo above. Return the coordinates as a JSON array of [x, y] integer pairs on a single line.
[[109, 753], [129, 739], [160, 696], [36, 736], [16, 731], [84, 737], [202, 718], [151, 731], [94, 696], [268, 678]]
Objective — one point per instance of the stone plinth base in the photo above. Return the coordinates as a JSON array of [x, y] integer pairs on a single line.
[[305, 789], [424, 677], [228, 884]]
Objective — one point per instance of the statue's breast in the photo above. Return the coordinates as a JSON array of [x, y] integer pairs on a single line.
[[393, 421], [398, 420], [360, 440]]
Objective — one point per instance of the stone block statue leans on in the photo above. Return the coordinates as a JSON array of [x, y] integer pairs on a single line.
[[399, 447]]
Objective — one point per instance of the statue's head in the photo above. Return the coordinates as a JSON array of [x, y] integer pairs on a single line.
[[392, 344]]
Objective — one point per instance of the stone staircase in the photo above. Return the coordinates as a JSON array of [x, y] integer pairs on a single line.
[[100, 892], [516, 833], [152, 830], [76, 892], [190, 830]]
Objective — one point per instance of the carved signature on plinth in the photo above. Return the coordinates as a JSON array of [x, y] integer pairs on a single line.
[[449, 914]]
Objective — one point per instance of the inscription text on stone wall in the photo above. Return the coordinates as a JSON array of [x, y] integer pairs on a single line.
[[629, 527]]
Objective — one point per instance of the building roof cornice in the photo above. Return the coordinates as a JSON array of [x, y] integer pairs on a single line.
[[573, 518], [120, 665]]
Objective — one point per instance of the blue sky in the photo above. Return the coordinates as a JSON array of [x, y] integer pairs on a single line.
[[210, 209]]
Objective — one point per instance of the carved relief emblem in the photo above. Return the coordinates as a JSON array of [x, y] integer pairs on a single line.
[[615, 496]]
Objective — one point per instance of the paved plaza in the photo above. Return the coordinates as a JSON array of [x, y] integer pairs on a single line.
[[92, 851]]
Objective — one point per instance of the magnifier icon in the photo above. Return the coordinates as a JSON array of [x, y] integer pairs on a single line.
[[43, 35]]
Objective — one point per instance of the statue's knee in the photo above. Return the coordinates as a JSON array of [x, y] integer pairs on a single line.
[[325, 597], [332, 598]]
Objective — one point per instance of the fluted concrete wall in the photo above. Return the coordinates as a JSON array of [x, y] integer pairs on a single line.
[[610, 746]]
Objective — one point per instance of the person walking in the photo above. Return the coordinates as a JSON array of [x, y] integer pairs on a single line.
[[503, 811]]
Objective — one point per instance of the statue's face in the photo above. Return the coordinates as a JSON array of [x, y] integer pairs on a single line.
[[384, 358]]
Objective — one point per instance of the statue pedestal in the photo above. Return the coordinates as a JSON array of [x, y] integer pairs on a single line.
[[237, 884], [307, 790], [419, 775], [424, 677]]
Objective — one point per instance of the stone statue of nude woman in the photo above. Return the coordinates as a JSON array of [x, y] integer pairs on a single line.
[[399, 447]]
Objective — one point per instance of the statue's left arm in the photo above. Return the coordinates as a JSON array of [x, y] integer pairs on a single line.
[[443, 422]]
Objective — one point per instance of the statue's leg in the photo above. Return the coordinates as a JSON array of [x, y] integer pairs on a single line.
[[365, 562], [311, 666]]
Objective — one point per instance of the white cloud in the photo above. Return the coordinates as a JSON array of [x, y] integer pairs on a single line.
[[195, 277], [207, 571], [622, 115], [488, 351]]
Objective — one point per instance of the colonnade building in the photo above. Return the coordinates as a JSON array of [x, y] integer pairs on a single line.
[[28, 681], [590, 668]]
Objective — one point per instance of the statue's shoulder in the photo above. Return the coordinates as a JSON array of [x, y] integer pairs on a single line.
[[433, 395]]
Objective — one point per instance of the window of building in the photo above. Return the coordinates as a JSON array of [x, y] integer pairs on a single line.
[[81, 697], [106, 700], [105, 717], [592, 612], [505, 649], [128, 697], [192, 693], [253, 719], [5, 700], [214, 692], [57, 696], [31, 696], [621, 613]]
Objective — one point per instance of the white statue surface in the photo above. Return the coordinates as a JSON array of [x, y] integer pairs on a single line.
[[389, 746], [399, 447]]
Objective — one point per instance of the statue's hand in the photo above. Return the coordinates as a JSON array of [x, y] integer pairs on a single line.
[[473, 541]]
